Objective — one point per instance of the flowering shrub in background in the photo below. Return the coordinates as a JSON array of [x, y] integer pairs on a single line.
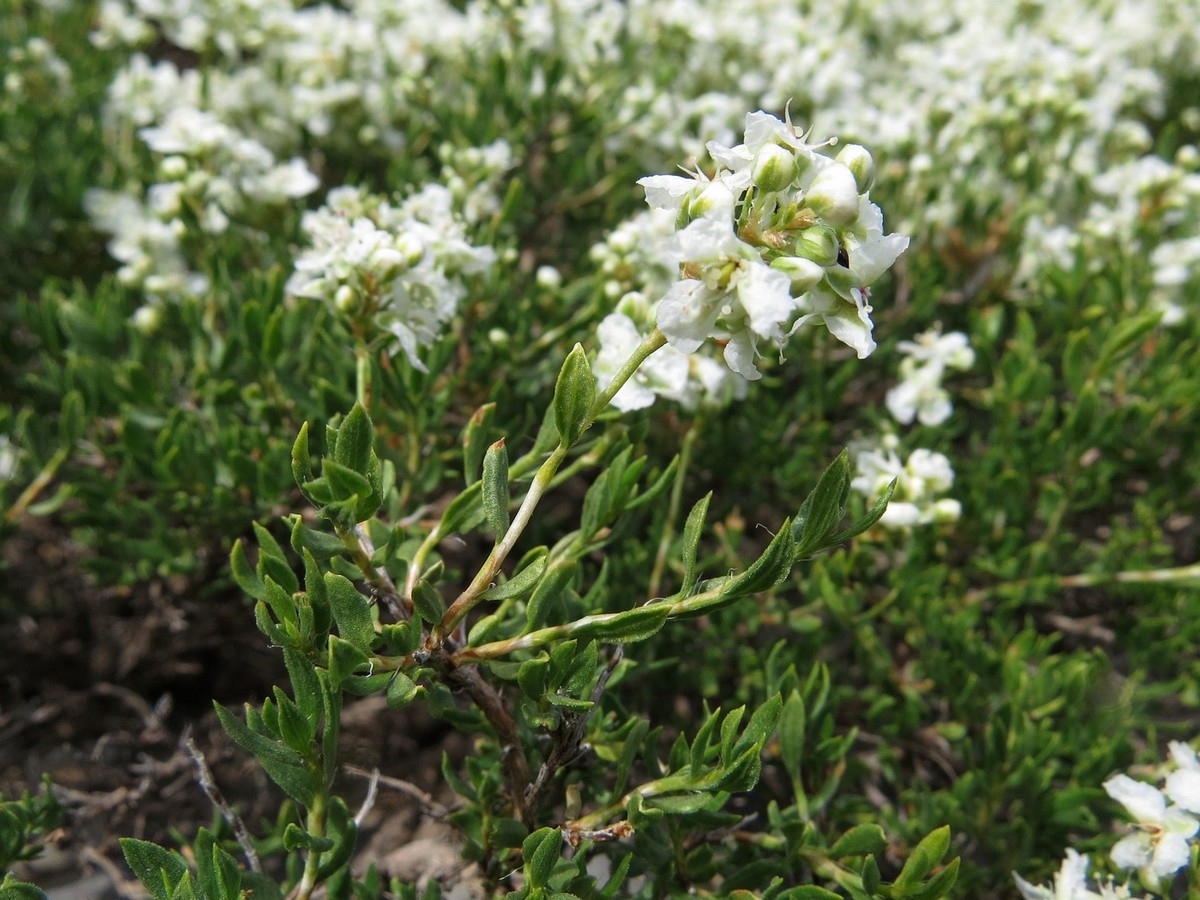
[[384, 296]]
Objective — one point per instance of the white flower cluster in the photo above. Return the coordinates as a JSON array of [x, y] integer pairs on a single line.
[[34, 75], [919, 394], [1168, 818], [779, 237], [919, 480], [1071, 884], [401, 267], [1168, 823], [635, 265]]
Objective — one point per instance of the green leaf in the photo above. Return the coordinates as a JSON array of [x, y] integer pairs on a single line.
[[792, 726], [272, 561], [428, 602], [296, 838], [301, 460], [520, 583], [401, 690], [927, 854], [861, 840], [808, 892], [464, 512], [823, 508], [344, 482], [306, 686], [766, 571], [574, 394], [355, 441], [547, 596], [320, 544], [691, 542], [351, 611], [283, 765], [541, 851], [245, 577], [873, 515], [345, 659], [158, 869], [475, 441], [12, 889], [71, 420], [686, 804], [627, 627], [495, 488]]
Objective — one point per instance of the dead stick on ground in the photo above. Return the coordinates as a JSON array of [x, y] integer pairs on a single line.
[[209, 785]]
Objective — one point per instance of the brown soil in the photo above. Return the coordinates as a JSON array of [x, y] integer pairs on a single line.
[[98, 688]]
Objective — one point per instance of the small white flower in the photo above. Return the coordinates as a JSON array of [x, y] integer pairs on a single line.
[[1160, 847], [1183, 785], [665, 373]]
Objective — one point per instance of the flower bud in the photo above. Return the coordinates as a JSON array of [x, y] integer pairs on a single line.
[[548, 278], [804, 273], [172, 168], [774, 168], [410, 247], [861, 164], [818, 243], [347, 300], [147, 319], [833, 195]]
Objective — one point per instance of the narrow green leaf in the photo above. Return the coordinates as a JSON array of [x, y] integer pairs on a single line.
[[627, 627], [861, 840], [547, 597], [823, 508], [874, 514], [283, 765], [351, 611], [475, 441], [541, 851], [766, 571], [927, 854], [808, 892], [245, 577], [344, 659], [306, 686], [692, 530], [301, 460], [792, 725], [428, 602], [495, 488], [71, 420], [520, 583], [401, 690], [574, 394], [355, 442], [464, 512], [158, 869], [320, 544]]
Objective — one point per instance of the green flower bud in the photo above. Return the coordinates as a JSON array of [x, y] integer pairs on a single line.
[[833, 195], [805, 273], [147, 319], [347, 300], [774, 168], [859, 161], [818, 243]]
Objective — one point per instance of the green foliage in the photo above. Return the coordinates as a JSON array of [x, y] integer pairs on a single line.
[[24, 823], [688, 653]]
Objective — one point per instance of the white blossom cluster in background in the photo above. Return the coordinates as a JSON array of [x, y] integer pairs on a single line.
[[1167, 825], [401, 266], [34, 75], [921, 479], [1035, 117], [927, 357]]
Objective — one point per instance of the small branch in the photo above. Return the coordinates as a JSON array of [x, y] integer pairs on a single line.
[[568, 739], [431, 807], [492, 705], [35, 487], [368, 801], [209, 785], [378, 578]]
